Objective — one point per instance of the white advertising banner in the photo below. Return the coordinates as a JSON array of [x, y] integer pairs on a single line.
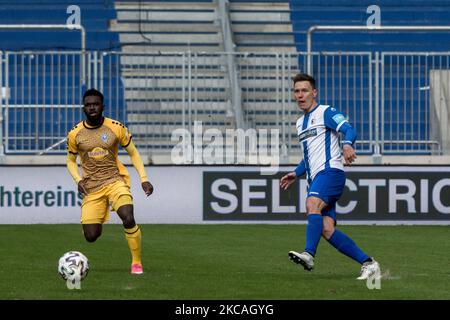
[[227, 194], [44, 194]]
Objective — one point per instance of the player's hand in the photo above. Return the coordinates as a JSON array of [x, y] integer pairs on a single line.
[[82, 187], [147, 187], [349, 154], [287, 180]]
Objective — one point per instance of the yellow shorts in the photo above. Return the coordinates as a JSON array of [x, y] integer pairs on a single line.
[[95, 206]]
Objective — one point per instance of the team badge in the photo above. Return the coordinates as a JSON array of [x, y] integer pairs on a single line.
[[105, 138]]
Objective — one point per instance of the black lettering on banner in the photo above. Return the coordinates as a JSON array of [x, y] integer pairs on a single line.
[[368, 196]]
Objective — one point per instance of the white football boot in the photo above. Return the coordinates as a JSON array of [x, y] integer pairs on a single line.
[[369, 269], [304, 259]]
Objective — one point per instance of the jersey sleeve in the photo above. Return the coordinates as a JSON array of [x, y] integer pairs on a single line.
[[124, 136], [71, 143], [301, 169], [334, 119], [137, 161], [349, 134]]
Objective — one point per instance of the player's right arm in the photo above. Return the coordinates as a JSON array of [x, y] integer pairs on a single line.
[[72, 153], [73, 169], [288, 179]]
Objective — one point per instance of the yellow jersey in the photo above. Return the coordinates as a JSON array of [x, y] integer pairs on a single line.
[[98, 148]]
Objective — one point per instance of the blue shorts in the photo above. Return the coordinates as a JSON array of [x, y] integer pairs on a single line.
[[328, 185]]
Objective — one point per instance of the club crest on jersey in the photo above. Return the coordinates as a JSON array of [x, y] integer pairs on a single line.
[[105, 138]]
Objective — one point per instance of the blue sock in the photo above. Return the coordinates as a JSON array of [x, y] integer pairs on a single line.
[[313, 232], [347, 246]]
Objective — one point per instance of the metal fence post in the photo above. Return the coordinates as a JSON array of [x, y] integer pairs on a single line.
[[376, 150]]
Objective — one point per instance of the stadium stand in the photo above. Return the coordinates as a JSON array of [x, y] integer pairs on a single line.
[[95, 17], [44, 80], [306, 13], [197, 27], [406, 96], [162, 66], [155, 81]]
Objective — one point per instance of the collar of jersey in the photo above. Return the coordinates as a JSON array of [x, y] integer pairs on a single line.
[[89, 127], [318, 104]]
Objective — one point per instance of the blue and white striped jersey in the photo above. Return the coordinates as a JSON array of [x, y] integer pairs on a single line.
[[319, 138]]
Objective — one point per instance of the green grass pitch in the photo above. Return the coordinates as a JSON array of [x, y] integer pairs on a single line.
[[185, 262]]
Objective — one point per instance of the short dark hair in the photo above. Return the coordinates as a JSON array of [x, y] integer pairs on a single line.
[[93, 92], [304, 77]]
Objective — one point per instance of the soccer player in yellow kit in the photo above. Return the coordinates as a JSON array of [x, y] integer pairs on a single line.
[[105, 180]]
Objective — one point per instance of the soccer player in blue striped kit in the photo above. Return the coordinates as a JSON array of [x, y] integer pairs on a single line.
[[318, 130]]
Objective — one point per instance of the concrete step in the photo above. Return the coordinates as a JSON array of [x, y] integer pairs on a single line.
[[265, 39], [262, 27], [260, 16], [158, 48], [175, 83], [151, 27], [167, 106], [164, 84], [163, 15], [251, 48], [214, 95], [139, 118], [243, 60], [259, 6], [170, 38], [172, 60], [173, 73], [168, 129], [163, 5]]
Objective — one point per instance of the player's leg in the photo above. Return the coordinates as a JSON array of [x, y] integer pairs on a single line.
[[94, 212], [314, 228], [92, 231], [344, 244], [336, 238], [315, 202], [324, 187], [314, 207], [122, 203], [132, 235]]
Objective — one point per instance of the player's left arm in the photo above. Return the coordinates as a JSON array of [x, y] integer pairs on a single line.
[[125, 141], [139, 166], [337, 121]]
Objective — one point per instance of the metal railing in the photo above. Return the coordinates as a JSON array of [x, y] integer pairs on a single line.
[[386, 96]]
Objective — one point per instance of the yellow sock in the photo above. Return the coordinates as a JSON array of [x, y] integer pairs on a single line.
[[133, 236]]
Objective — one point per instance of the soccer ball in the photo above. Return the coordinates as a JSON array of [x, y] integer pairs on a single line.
[[73, 266]]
